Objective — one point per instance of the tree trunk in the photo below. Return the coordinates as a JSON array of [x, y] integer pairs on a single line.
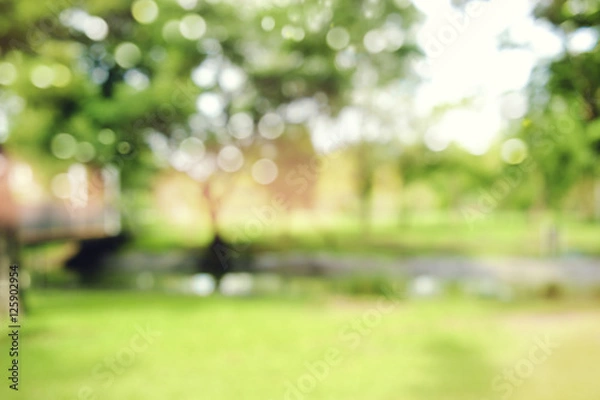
[[213, 207], [216, 258], [365, 190]]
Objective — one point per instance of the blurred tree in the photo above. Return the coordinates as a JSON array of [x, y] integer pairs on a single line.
[[186, 84], [454, 174], [563, 128], [339, 56]]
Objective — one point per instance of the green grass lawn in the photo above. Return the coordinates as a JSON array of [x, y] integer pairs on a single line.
[[499, 234], [77, 345]]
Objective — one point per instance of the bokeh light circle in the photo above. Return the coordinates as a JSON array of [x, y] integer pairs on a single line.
[[514, 151], [127, 55], [338, 38], [144, 11], [85, 152], [241, 125], [271, 126], [42, 76], [193, 148], [106, 136], [267, 23], [95, 28], [230, 159], [8, 73], [192, 27], [63, 146], [264, 171], [61, 186]]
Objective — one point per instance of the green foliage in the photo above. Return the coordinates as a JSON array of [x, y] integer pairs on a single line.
[[289, 61], [562, 132], [129, 69]]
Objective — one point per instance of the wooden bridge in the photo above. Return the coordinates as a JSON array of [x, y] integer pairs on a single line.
[[53, 221]]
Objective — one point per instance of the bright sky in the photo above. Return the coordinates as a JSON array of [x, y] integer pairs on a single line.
[[464, 60]]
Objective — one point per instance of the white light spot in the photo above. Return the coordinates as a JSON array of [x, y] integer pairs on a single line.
[[271, 126], [514, 106], [85, 152], [514, 151], [230, 159], [317, 19], [193, 148], [394, 37], [338, 38], [95, 28], [187, 4], [424, 286], [210, 104], [63, 146], [374, 41], [171, 30], [301, 110], [61, 186], [136, 79], [192, 27], [8, 73], [268, 24], [232, 79], [210, 46], [237, 284], [20, 176], [365, 76], [78, 182], [204, 168], [292, 33], [106, 136], [583, 40], [144, 11], [42, 76], [75, 18], [264, 171], [203, 284], [346, 59], [205, 75], [435, 141], [241, 125], [179, 161], [127, 55], [402, 3], [3, 129]]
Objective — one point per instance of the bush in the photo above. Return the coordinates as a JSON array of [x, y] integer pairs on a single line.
[[366, 285], [552, 291]]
